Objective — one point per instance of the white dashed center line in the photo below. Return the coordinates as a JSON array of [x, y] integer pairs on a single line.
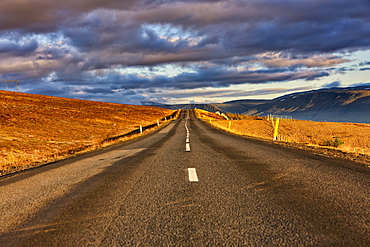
[[192, 175], [187, 145]]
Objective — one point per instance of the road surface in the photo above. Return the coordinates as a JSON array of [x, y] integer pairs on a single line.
[[189, 185]]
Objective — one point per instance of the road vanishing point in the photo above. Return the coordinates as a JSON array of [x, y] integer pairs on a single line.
[[189, 184]]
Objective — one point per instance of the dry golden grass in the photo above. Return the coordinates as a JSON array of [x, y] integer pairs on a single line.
[[35, 129], [355, 136]]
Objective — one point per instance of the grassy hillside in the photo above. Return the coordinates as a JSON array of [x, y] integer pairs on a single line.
[[35, 129], [349, 138]]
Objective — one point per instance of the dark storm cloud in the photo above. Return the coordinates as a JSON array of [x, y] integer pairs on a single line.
[[83, 43], [115, 37], [256, 26], [18, 49], [364, 63], [44, 15], [225, 28], [245, 27], [217, 78], [52, 90]]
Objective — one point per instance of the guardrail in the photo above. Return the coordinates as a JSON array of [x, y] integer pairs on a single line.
[[281, 117], [141, 128]]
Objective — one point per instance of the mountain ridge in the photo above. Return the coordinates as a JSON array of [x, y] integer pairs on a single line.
[[351, 104]]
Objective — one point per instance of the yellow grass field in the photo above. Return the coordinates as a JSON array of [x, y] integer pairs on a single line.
[[36, 129], [354, 137]]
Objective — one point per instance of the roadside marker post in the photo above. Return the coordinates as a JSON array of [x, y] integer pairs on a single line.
[[229, 125], [141, 129], [157, 123], [276, 130]]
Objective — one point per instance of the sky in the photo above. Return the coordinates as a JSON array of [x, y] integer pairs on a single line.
[[190, 51]]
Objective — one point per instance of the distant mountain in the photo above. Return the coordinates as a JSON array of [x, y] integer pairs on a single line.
[[334, 105], [248, 107]]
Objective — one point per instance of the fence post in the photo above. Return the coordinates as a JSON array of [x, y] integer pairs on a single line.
[[276, 129]]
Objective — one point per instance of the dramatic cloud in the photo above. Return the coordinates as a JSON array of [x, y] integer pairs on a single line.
[[364, 63], [45, 16], [221, 93], [97, 49]]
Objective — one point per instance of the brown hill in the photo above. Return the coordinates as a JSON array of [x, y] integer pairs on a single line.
[[37, 129], [345, 140]]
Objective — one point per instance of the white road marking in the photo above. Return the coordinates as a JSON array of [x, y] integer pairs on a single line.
[[192, 175], [187, 147]]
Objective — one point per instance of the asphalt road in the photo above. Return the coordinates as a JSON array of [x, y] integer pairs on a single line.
[[238, 192]]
